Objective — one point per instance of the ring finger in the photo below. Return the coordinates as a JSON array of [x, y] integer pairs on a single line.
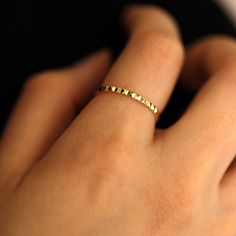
[[149, 65]]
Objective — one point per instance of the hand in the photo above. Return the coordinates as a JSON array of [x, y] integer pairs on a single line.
[[107, 171]]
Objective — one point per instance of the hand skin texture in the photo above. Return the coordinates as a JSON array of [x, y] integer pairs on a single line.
[[76, 164]]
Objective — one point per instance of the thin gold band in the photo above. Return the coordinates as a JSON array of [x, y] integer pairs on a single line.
[[133, 95]]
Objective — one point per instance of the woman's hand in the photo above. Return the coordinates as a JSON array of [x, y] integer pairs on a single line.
[[109, 172]]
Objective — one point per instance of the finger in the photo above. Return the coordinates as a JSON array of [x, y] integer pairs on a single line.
[[228, 184], [195, 80], [149, 65], [208, 129], [48, 104]]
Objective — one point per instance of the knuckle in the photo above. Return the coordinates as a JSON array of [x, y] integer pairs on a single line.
[[110, 163], [187, 200], [159, 46], [184, 205], [181, 196], [115, 145], [114, 151]]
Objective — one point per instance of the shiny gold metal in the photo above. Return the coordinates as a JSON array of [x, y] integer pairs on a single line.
[[133, 95]]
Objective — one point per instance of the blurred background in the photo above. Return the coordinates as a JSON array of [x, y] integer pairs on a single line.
[[38, 35]]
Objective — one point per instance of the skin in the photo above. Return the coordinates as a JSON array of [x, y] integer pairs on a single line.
[[80, 165]]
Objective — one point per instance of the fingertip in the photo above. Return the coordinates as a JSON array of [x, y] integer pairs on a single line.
[[147, 16], [135, 8], [132, 12], [103, 55]]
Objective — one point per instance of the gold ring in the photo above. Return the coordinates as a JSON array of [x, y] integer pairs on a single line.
[[133, 95]]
